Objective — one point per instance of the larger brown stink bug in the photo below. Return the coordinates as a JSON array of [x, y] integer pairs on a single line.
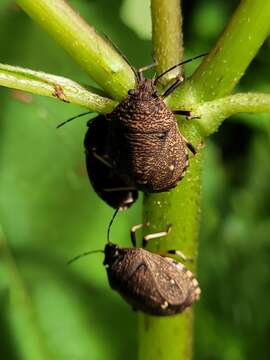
[[152, 283], [147, 149]]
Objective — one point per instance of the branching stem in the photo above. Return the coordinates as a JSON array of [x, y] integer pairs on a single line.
[[91, 51], [61, 88]]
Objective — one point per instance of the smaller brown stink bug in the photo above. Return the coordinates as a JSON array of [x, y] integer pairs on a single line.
[[105, 181], [152, 283]]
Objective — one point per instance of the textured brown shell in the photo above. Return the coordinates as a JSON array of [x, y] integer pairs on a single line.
[[100, 175], [146, 146], [151, 283]]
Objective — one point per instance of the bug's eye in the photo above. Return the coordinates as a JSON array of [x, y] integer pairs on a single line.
[[117, 256], [132, 92], [161, 135]]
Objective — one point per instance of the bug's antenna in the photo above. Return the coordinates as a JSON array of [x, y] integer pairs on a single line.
[[175, 66], [135, 72], [110, 224], [73, 118], [83, 254]]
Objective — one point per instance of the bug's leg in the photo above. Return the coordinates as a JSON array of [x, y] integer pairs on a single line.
[[189, 146], [122, 188], [172, 87], [179, 254], [182, 112], [148, 237], [101, 159], [144, 68], [188, 113], [133, 233], [147, 67]]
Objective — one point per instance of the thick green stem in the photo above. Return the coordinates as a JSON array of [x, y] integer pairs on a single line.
[[212, 113], [228, 60], [167, 37], [170, 338], [61, 88], [94, 54]]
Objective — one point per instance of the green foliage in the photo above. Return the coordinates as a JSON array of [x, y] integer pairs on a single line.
[[48, 212]]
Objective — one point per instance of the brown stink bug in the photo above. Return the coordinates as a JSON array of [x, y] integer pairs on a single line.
[[105, 181], [137, 146], [103, 178], [152, 283], [147, 149]]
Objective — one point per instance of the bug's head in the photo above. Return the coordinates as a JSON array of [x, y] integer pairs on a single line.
[[144, 91], [111, 252]]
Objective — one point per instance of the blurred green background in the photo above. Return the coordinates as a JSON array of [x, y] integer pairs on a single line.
[[49, 213]]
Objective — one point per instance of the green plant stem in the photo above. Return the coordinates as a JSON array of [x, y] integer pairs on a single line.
[[167, 37], [228, 60], [170, 338], [212, 113], [61, 88], [94, 54]]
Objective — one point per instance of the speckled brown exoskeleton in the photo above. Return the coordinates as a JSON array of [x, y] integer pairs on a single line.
[[152, 283], [149, 282], [147, 149], [137, 146]]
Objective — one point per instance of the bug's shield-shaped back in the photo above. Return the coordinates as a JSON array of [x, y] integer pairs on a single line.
[[104, 179], [153, 284]]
